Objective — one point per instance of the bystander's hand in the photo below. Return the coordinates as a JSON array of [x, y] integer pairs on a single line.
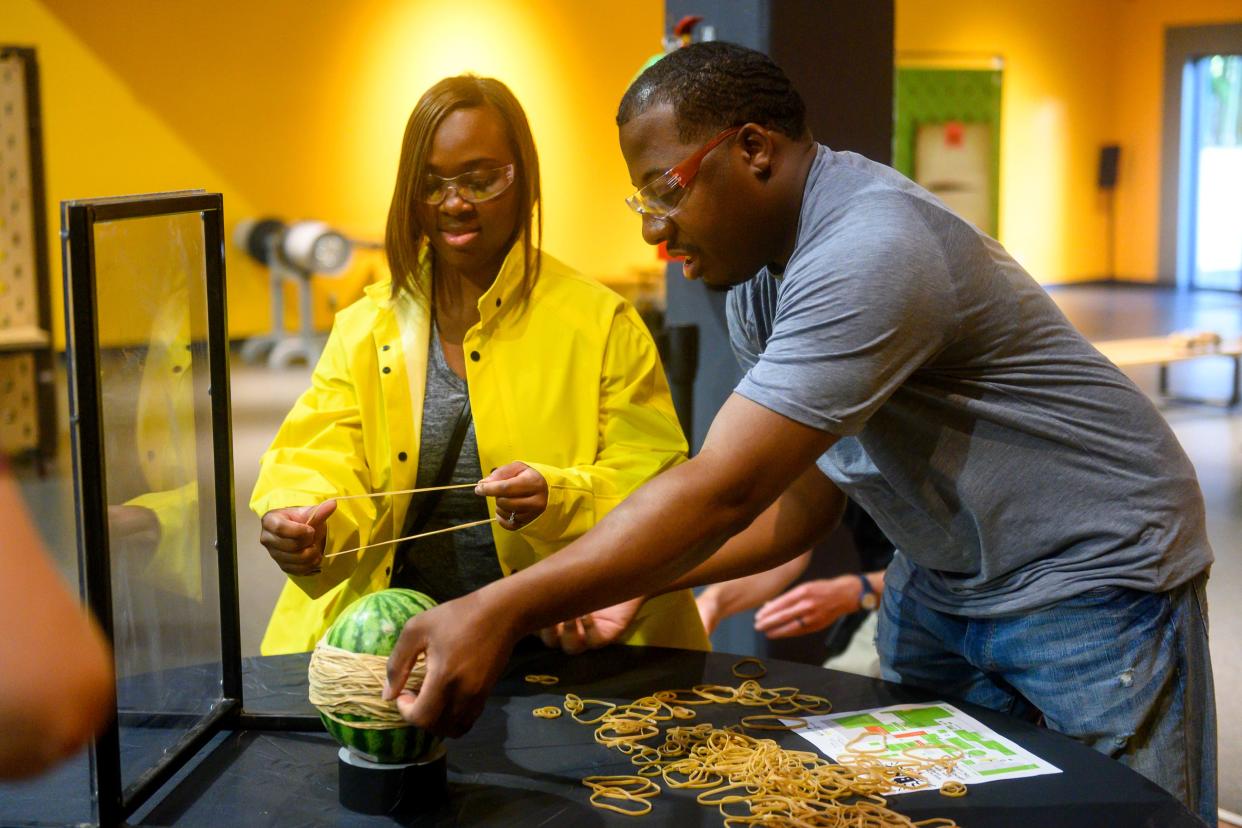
[[590, 632], [808, 607], [710, 611]]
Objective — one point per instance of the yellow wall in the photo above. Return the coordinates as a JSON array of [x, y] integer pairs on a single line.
[[1055, 112], [101, 138], [1077, 74], [295, 108]]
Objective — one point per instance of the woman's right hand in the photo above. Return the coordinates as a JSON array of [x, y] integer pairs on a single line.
[[295, 536]]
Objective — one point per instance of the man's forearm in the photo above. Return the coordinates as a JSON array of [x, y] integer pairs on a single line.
[[622, 557], [669, 525], [800, 518]]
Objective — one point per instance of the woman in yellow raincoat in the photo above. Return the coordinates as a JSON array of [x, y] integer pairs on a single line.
[[567, 400]]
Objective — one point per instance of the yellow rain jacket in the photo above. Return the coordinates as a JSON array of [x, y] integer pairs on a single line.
[[568, 382]]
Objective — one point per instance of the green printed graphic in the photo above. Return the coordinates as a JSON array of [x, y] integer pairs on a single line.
[[997, 746], [1014, 769], [922, 716]]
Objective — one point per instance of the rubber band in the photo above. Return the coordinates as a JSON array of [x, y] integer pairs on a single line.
[[582, 703], [536, 678], [763, 671], [759, 722], [642, 787], [547, 712], [596, 796], [636, 789], [953, 788]]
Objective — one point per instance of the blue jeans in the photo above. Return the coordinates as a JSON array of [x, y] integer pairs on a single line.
[[1124, 671]]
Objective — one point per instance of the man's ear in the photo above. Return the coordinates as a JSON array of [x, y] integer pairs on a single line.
[[758, 147]]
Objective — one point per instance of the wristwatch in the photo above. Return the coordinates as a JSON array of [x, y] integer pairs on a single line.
[[868, 599]]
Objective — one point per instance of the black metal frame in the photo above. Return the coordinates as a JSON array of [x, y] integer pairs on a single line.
[[115, 802], [45, 384]]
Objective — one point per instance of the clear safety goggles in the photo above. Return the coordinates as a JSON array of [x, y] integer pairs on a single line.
[[475, 186], [660, 197]]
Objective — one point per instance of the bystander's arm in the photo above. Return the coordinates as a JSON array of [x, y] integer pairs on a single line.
[[719, 601], [56, 688]]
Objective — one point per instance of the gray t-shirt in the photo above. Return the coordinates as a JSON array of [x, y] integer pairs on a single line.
[[1011, 464], [451, 564]]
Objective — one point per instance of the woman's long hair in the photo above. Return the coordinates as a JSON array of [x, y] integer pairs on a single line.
[[405, 236]]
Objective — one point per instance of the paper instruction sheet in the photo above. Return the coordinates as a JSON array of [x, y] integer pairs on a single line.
[[931, 732]]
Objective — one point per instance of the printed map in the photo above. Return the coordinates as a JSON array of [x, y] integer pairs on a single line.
[[930, 732]]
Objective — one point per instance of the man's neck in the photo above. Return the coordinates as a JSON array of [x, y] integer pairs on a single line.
[[789, 210]]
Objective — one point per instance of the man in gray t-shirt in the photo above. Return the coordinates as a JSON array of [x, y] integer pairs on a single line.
[[1010, 463], [1050, 531]]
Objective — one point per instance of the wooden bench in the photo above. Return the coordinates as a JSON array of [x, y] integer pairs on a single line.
[[1166, 350]]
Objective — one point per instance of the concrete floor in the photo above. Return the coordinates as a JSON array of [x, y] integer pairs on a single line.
[[1211, 435]]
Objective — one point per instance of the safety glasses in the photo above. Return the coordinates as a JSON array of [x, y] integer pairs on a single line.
[[660, 197], [475, 186]]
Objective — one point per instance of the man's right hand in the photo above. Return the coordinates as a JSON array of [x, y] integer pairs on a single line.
[[467, 644], [295, 536]]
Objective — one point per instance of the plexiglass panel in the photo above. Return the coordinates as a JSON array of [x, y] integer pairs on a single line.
[[154, 384]]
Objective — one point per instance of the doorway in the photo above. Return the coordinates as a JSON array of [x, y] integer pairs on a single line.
[[1201, 193], [1214, 206]]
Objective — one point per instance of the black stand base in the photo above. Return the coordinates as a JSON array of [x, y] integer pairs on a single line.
[[395, 790]]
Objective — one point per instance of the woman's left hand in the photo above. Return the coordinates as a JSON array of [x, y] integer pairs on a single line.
[[521, 494]]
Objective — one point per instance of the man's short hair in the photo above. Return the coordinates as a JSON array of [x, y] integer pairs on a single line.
[[716, 85]]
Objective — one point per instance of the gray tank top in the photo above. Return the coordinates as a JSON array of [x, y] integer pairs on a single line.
[[451, 564]]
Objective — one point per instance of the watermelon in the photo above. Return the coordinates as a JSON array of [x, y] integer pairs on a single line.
[[371, 625]]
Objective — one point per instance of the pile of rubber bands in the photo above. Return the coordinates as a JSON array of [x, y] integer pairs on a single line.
[[752, 781]]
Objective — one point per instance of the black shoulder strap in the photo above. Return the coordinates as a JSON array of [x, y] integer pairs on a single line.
[[426, 502]]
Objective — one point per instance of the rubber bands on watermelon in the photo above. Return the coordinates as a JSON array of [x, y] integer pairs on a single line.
[[350, 684]]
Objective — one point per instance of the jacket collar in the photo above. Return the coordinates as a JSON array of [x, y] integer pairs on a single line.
[[504, 292]]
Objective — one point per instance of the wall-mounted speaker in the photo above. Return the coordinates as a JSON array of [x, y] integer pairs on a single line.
[[1106, 177]]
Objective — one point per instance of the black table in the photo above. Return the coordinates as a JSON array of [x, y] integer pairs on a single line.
[[513, 769]]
